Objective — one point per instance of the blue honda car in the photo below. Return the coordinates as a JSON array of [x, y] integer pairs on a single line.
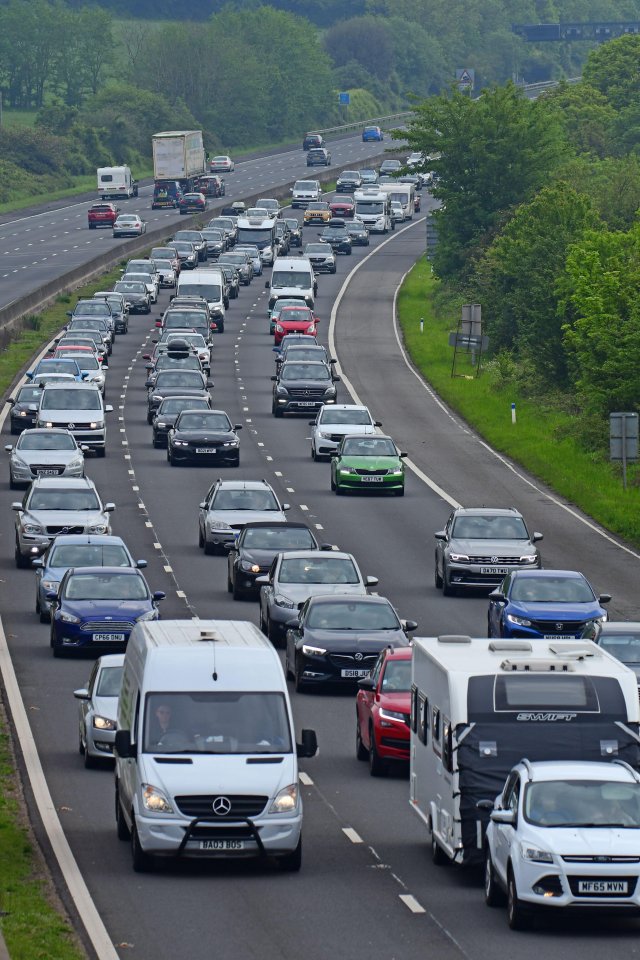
[[372, 133], [544, 604], [97, 608]]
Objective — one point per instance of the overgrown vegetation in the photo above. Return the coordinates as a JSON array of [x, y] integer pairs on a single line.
[[540, 225]]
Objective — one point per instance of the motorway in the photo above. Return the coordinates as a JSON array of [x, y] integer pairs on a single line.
[[35, 249], [363, 850]]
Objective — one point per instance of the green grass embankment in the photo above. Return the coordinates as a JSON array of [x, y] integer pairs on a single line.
[[543, 438]]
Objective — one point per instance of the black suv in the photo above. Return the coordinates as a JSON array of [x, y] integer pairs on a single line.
[[312, 140], [302, 386], [336, 234], [318, 157]]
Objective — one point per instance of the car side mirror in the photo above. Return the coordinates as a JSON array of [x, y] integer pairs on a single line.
[[286, 506], [377, 423], [203, 505], [336, 379], [604, 598], [109, 507], [51, 595], [366, 683], [409, 625], [292, 624], [148, 383], [159, 595], [505, 817], [312, 423], [262, 581], [440, 535], [497, 595], [9, 447], [37, 562], [403, 453], [68, 313], [16, 506], [536, 537], [209, 382], [371, 581], [11, 401], [274, 379], [81, 694], [141, 564], [147, 356], [123, 746], [485, 805], [309, 744], [334, 453]]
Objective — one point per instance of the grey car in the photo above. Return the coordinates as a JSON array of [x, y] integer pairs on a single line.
[[321, 256], [230, 505], [98, 708], [53, 506], [335, 422], [299, 574], [44, 453], [480, 545]]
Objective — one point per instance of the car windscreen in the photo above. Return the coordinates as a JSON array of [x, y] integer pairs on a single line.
[[130, 286], [296, 315], [63, 500], [300, 279], [210, 291], [295, 352], [368, 447], [215, 235], [25, 394], [320, 569], [183, 246], [88, 362], [358, 418], [71, 400], [304, 371], [93, 309], [319, 249], [551, 590], [179, 378], [162, 253], [244, 499], [203, 421], [185, 318], [212, 722], [622, 646], [109, 682], [57, 366], [195, 339], [352, 615], [46, 441], [126, 220], [105, 586], [193, 236], [582, 803], [178, 404], [486, 527], [85, 323], [397, 677], [88, 555], [184, 363], [278, 538]]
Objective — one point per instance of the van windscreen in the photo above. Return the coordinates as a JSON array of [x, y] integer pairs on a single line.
[[300, 279], [209, 291]]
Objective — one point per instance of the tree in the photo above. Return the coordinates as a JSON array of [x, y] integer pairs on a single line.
[[490, 155], [365, 40], [614, 70], [516, 279], [586, 115]]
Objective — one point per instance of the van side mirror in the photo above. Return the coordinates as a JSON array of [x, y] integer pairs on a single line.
[[123, 746], [108, 408], [140, 564], [82, 694], [506, 817], [266, 284], [308, 746]]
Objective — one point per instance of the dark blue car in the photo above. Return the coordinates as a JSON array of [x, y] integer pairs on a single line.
[[544, 604], [97, 607]]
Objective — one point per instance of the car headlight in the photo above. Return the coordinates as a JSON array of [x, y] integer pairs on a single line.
[[50, 584], [162, 425], [219, 525], [459, 557], [156, 397], [249, 567], [601, 619], [391, 715], [324, 436], [231, 443], [179, 443], [98, 528], [519, 621], [22, 413], [535, 855], [281, 601], [348, 471], [149, 615], [311, 328], [529, 558], [155, 800], [33, 528], [69, 617], [397, 472], [286, 800], [282, 391], [76, 462], [311, 651], [18, 461], [103, 723], [279, 328]]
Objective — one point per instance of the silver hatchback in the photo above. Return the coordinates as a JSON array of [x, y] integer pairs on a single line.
[[44, 453], [229, 505]]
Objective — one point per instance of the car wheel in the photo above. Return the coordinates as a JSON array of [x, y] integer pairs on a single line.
[[142, 862], [436, 576], [438, 856], [274, 633], [236, 463], [447, 589], [277, 412], [333, 269], [333, 483], [89, 762], [121, 824], [291, 862], [149, 417], [154, 441], [209, 548], [377, 766], [21, 562], [200, 537], [56, 648], [299, 684], [172, 460], [339, 491], [361, 751], [518, 917], [288, 672], [43, 615], [81, 746], [400, 492], [493, 895], [101, 452]]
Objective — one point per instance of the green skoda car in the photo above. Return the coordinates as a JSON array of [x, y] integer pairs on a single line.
[[367, 463]]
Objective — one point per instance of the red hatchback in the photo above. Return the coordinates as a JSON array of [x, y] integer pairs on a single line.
[[295, 320], [383, 710], [342, 207]]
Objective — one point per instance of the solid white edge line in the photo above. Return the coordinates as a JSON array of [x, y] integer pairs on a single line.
[[76, 885]]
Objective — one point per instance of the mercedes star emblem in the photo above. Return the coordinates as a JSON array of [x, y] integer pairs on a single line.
[[221, 806]]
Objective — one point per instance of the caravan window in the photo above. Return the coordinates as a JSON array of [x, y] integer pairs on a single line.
[[435, 724], [447, 746], [552, 691], [423, 723]]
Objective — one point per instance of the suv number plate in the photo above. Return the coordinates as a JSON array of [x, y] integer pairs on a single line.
[[221, 845], [602, 886], [489, 571]]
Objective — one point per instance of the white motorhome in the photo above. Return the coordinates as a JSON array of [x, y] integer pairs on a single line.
[[292, 277], [115, 182], [206, 758], [478, 706], [403, 193], [373, 207], [259, 232], [208, 283]]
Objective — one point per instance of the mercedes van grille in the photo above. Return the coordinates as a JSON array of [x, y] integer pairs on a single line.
[[202, 806]]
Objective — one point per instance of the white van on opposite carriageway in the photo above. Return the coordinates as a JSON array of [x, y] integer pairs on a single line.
[[206, 758], [292, 277]]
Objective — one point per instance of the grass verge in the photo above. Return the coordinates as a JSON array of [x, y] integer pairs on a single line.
[[543, 438], [80, 185], [33, 927]]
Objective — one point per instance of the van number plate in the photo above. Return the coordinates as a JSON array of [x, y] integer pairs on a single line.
[[602, 886], [222, 845]]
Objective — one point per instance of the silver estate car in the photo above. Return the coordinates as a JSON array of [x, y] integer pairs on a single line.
[[335, 422], [98, 708], [44, 453], [229, 505]]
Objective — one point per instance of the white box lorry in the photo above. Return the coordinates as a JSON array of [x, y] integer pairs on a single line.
[[479, 706], [116, 182], [178, 155], [205, 751]]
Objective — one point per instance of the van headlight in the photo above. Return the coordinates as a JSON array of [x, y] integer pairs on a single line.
[[286, 800], [155, 800]]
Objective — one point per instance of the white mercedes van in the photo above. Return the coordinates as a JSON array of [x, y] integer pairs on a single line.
[[292, 277], [206, 758], [209, 284]]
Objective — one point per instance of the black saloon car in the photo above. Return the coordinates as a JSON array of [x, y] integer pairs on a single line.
[[204, 436], [336, 234], [24, 408], [169, 411], [255, 549]]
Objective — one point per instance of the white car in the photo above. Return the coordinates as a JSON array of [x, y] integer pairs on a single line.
[[98, 709], [335, 422], [564, 834], [129, 225], [222, 164], [44, 453], [414, 159], [397, 212]]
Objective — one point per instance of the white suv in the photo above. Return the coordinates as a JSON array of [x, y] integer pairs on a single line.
[[564, 834], [304, 191]]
